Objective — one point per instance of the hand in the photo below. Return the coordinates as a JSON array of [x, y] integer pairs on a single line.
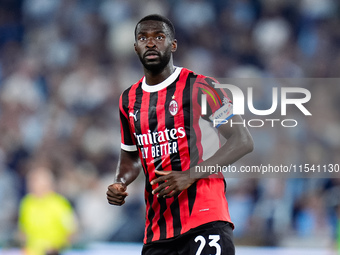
[[174, 183], [116, 193]]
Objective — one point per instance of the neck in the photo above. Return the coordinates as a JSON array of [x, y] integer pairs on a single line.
[[152, 78]]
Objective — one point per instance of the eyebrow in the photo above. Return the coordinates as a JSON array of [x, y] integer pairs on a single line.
[[156, 32]]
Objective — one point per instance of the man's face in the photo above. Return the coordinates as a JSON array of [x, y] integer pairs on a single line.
[[154, 45]]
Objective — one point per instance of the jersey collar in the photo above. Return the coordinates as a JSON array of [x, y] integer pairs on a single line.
[[163, 84]]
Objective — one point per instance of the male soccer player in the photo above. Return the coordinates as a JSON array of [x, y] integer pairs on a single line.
[[164, 133]]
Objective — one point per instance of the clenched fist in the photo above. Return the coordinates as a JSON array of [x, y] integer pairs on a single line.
[[116, 193]]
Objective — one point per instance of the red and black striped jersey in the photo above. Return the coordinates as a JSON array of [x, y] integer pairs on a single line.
[[164, 123]]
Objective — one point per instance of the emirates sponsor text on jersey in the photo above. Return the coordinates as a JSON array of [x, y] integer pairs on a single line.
[[159, 143]]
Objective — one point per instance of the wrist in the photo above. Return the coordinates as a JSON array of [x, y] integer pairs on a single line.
[[120, 181], [191, 178]]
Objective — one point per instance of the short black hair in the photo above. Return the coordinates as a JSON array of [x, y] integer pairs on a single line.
[[161, 18]]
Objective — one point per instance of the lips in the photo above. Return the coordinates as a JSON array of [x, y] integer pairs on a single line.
[[151, 54]]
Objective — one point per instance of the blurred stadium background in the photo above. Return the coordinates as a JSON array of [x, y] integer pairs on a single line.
[[64, 63]]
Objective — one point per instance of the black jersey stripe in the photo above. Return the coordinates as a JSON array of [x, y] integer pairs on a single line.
[[187, 92], [170, 124], [137, 104], [161, 221], [175, 160], [150, 214], [125, 101], [153, 125], [194, 153]]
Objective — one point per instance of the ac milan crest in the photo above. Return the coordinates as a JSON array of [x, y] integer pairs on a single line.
[[173, 107]]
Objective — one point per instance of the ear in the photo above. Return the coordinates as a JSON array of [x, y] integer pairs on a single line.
[[135, 47], [174, 45]]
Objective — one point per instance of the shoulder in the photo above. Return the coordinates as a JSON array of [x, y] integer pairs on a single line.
[[59, 199], [124, 96], [133, 86], [204, 80], [208, 80], [186, 71], [26, 201]]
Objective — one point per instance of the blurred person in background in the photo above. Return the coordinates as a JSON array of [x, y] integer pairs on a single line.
[[46, 218], [9, 197]]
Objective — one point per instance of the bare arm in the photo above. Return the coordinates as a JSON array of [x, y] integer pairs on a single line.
[[127, 171], [239, 143]]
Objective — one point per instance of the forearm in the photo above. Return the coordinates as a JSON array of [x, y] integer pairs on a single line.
[[128, 167], [235, 148], [174, 182]]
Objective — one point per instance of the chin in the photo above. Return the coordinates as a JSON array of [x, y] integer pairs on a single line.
[[156, 68]]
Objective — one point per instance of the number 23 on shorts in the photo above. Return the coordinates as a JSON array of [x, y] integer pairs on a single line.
[[213, 243]]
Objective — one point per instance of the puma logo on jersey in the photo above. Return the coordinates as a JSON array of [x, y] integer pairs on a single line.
[[133, 115]]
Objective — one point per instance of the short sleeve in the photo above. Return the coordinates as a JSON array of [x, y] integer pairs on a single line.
[[127, 139], [214, 102]]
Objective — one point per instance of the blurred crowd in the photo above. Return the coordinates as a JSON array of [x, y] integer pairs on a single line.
[[64, 63]]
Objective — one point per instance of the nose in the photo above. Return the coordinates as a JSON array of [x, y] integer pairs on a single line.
[[150, 43]]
